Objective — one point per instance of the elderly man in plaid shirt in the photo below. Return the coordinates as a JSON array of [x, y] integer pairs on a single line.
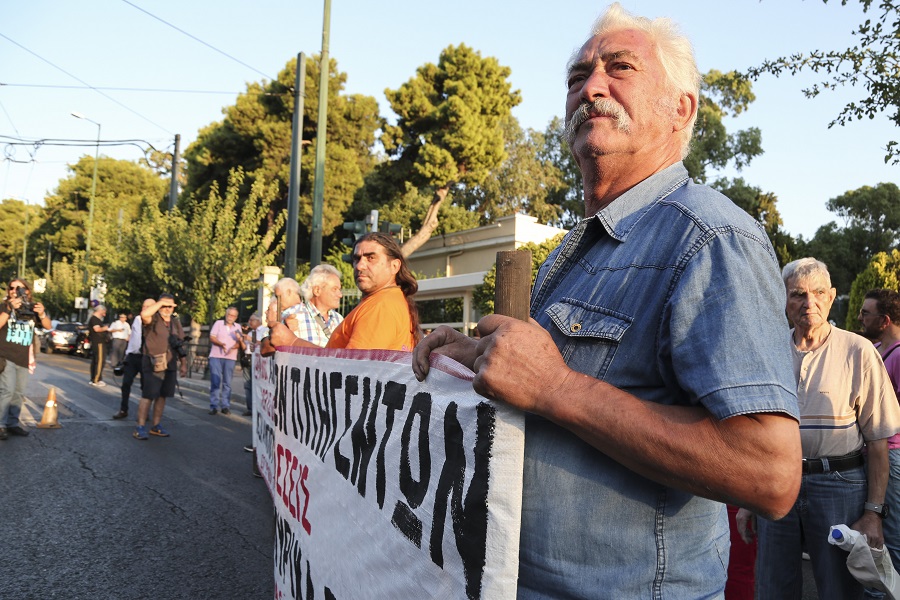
[[312, 315]]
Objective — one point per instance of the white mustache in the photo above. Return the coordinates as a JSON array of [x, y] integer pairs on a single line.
[[603, 107]]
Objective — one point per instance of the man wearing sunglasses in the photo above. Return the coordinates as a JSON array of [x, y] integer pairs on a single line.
[[19, 315]]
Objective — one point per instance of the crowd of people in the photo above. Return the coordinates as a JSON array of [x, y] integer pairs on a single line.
[[670, 368]]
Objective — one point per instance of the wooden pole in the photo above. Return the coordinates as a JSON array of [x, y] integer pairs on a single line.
[[512, 294]]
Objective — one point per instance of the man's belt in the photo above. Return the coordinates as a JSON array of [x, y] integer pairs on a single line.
[[828, 464]]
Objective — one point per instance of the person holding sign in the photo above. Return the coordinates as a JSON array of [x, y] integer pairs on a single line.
[[655, 373], [386, 317]]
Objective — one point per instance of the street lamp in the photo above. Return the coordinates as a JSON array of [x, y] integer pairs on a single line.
[[90, 225]]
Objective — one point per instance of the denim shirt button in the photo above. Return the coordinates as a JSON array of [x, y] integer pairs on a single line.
[[575, 328]]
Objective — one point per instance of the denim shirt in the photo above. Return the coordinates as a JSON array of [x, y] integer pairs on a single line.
[[673, 294]]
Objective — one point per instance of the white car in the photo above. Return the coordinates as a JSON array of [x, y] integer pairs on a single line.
[[62, 338]]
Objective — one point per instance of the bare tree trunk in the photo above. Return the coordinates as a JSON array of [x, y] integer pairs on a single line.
[[428, 224]]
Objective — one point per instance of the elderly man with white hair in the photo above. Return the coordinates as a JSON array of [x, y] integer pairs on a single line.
[[846, 401], [315, 317], [656, 373]]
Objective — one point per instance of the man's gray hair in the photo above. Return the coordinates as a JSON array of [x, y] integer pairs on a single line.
[[804, 268], [674, 50], [318, 276], [287, 283]]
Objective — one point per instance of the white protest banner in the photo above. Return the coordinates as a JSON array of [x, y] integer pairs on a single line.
[[385, 487]]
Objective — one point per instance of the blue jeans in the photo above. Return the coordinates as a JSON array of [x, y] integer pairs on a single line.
[[13, 380], [825, 499], [220, 372], [891, 523]]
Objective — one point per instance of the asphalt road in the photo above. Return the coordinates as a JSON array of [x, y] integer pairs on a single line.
[[90, 512]]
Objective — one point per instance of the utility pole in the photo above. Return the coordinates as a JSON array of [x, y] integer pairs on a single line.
[[290, 250], [319, 191], [173, 186]]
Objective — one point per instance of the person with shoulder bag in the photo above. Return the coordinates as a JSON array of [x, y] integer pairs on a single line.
[[163, 352]]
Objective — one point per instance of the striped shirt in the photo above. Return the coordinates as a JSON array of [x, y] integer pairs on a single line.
[[845, 396]]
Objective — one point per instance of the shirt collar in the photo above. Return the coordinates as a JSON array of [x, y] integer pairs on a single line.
[[621, 215]]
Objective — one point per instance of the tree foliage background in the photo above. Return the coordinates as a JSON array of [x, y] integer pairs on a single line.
[[872, 64], [454, 158], [883, 271], [207, 262], [255, 135]]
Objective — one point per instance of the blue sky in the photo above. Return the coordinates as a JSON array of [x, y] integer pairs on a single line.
[[110, 43]]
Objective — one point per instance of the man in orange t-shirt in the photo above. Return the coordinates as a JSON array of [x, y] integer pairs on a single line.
[[386, 318]]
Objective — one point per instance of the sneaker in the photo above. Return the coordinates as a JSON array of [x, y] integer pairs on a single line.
[[226, 411], [248, 448], [140, 432], [3, 433], [247, 413], [97, 383], [213, 411], [158, 430]]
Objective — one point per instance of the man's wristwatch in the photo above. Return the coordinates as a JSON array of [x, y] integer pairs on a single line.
[[879, 509]]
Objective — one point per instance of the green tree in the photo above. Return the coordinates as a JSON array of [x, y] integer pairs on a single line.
[[524, 182], [448, 131], [484, 293], [14, 232], [568, 197], [121, 187], [206, 263], [255, 135], [872, 225], [63, 286], [875, 210], [873, 62], [883, 271], [722, 95]]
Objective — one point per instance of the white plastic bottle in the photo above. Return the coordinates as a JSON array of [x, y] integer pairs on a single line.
[[843, 537]]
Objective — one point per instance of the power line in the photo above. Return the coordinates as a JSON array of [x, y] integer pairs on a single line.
[[107, 96], [143, 90], [195, 38], [10, 141]]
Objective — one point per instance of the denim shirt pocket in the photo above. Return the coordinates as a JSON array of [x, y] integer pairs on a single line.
[[587, 335]]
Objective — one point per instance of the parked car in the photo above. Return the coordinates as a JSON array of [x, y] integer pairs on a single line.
[[64, 337]]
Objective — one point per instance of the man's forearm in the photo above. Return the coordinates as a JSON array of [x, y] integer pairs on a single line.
[[878, 471], [749, 460]]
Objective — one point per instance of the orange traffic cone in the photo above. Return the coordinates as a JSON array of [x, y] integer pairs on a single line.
[[50, 420]]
